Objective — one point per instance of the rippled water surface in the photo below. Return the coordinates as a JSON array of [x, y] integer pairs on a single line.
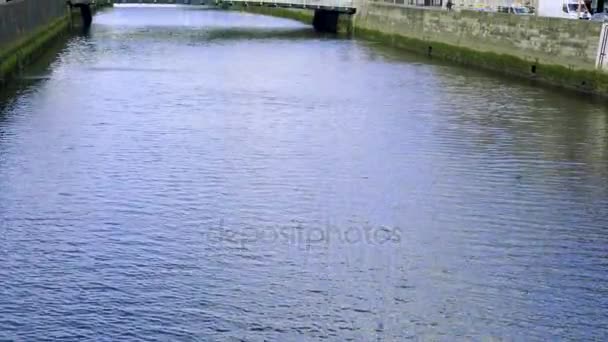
[[181, 175]]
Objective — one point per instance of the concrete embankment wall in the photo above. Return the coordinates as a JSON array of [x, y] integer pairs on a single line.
[[551, 50], [21, 17], [26, 28]]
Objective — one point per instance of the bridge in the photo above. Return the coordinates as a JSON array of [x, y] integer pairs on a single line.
[[341, 6], [326, 12]]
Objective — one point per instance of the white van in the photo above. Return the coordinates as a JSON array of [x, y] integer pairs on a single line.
[[562, 9], [571, 8]]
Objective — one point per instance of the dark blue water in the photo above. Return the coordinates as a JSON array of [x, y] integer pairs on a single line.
[[188, 175]]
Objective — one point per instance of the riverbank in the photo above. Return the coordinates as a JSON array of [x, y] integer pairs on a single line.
[[26, 50], [552, 51], [549, 51], [29, 28]]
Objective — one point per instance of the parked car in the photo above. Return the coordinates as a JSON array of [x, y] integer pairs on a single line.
[[518, 10], [600, 17]]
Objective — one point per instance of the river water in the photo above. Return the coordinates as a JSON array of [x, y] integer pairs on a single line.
[[198, 175]]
